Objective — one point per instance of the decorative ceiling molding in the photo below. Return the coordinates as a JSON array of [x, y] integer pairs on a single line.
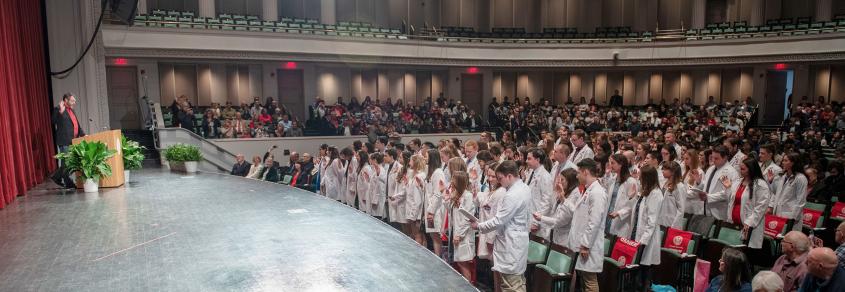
[[158, 53]]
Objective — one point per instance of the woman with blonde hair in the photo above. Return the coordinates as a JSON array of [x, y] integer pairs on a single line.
[[692, 177], [414, 194], [458, 231], [674, 196]]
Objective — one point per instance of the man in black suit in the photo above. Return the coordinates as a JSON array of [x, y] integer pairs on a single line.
[[66, 126], [241, 167], [616, 99], [271, 171]]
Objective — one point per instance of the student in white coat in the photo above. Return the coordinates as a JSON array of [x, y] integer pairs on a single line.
[[674, 197], [747, 201], [328, 175], [542, 196], [710, 182], [346, 155], [362, 184], [510, 249], [644, 228], [487, 201], [667, 154], [458, 196], [473, 166], [435, 185], [561, 161], [737, 156], [566, 190], [395, 211], [770, 169], [377, 190], [790, 191], [414, 195], [622, 194], [580, 148], [351, 178], [587, 232], [692, 175]]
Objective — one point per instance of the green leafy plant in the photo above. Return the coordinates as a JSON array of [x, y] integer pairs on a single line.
[[88, 158], [182, 152], [133, 153]]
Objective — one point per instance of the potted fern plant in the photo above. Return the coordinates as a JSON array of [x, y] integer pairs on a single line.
[[88, 160], [183, 157], [133, 156]]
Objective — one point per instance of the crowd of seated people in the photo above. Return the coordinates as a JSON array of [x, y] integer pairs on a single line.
[[255, 120], [688, 168]]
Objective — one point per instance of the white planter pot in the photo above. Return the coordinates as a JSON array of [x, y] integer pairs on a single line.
[[126, 174], [191, 166], [91, 186], [164, 162]]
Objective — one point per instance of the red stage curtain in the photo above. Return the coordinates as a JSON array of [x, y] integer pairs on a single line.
[[26, 139]]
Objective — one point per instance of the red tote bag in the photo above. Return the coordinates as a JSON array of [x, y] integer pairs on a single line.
[[677, 240], [774, 225], [624, 251]]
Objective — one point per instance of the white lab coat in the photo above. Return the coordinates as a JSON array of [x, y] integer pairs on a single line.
[[434, 200], [378, 191], [753, 211], [790, 197], [341, 182], [488, 204], [718, 209], [587, 228], [621, 225], [321, 170], [561, 220], [474, 167], [648, 232], [460, 226], [329, 179], [510, 248], [542, 196], [774, 168], [396, 208], [694, 205], [351, 181], [576, 156], [414, 195], [557, 167], [737, 160], [363, 188], [674, 204]]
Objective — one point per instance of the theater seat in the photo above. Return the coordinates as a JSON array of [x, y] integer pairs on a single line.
[[770, 250], [556, 273], [726, 235], [677, 268], [617, 275], [538, 250]]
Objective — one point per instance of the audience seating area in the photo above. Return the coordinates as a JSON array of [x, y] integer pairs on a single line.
[[774, 27]]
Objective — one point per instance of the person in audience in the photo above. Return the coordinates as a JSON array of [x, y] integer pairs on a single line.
[[462, 237], [644, 228], [210, 125], [185, 116], [363, 181], [767, 281], [510, 247], [587, 220], [270, 172], [295, 130], [824, 273], [299, 178], [622, 188], [241, 167], [791, 267], [567, 194], [736, 272], [256, 169], [542, 194], [674, 197], [435, 185], [839, 238]]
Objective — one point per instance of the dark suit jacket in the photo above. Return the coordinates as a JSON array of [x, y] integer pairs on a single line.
[[240, 170], [303, 181], [272, 175], [64, 127]]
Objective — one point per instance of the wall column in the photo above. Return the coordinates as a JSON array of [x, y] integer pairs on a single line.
[[270, 10], [207, 8], [823, 10], [758, 13], [327, 12], [142, 7], [699, 9]]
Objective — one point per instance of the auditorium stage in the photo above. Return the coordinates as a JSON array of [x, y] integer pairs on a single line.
[[208, 232]]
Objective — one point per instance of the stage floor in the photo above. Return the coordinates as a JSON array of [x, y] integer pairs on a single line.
[[207, 232]]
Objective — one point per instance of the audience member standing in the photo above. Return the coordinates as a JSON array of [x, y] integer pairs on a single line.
[[585, 235], [510, 248]]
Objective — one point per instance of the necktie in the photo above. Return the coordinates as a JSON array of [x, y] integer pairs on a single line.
[[531, 177], [710, 179], [636, 219]]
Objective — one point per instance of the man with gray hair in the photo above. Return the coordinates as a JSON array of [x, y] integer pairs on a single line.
[[792, 266], [767, 281]]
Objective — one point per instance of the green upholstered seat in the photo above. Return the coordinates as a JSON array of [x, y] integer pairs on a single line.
[[537, 252]]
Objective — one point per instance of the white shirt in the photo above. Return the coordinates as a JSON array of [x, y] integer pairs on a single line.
[[510, 248]]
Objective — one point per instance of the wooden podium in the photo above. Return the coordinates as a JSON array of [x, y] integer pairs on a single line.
[[112, 140]]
